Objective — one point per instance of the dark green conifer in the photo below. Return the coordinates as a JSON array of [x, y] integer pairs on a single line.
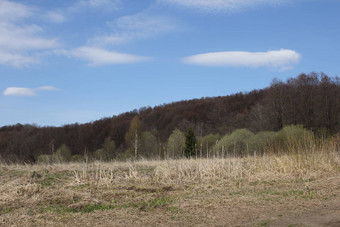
[[190, 143]]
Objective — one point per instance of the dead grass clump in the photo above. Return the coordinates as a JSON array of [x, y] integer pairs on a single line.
[[182, 191], [18, 189], [251, 168], [273, 166]]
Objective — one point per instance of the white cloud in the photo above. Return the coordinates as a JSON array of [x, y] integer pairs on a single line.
[[47, 88], [19, 91], [222, 5], [11, 11], [100, 3], [61, 15], [138, 26], [55, 17], [18, 38], [281, 59], [98, 56], [23, 91], [16, 59], [95, 4], [20, 42]]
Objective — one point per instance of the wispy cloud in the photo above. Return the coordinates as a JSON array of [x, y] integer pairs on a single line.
[[55, 16], [280, 59], [99, 4], [47, 88], [19, 91], [23, 44], [138, 26], [222, 5], [61, 15], [11, 11], [19, 41], [16, 59], [98, 56], [23, 91], [25, 37]]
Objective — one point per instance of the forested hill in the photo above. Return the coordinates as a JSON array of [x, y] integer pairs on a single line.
[[312, 100]]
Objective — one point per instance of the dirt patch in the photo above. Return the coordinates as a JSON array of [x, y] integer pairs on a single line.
[[329, 215]]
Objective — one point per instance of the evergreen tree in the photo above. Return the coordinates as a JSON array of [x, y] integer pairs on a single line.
[[190, 143]]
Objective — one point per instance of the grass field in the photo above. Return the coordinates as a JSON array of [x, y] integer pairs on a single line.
[[269, 190]]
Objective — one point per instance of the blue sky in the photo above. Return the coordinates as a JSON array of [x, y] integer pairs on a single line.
[[74, 61]]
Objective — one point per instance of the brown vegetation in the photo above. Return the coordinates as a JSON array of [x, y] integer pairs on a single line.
[[311, 100], [257, 190]]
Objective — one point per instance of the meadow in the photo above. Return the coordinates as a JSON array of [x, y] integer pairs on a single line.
[[299, 188]]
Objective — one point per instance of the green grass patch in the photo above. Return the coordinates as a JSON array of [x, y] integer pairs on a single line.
[[86, 208], [146, 169], [173, 210], [156, 202], [301, 180], [159, 202], [81, 186], [238, 193], [51, 179], [263, 223], [4, 210]]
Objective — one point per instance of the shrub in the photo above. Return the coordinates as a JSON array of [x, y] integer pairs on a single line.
[[101, 155], [206, 143], [176, 144], [45, 159], [149, 145], [107, 152], [294, 137], [235, 143], [63, 154], [77, 158], [261, 142]]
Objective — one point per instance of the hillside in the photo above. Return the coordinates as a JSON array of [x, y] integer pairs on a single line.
[[312, 100]]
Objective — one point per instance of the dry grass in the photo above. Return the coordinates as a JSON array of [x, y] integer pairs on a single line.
[[169, 192]]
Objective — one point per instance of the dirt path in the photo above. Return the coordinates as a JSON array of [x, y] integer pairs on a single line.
[[329, 216], [324, 214]]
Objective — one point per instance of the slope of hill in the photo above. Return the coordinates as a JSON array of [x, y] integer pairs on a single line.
[[312, 100]]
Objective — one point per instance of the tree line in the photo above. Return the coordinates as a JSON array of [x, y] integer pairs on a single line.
[[310, 100]]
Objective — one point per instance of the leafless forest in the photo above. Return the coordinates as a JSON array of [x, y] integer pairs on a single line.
[[311, 101]]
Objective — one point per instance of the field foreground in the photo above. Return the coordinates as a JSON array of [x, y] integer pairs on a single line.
[[287, 190]]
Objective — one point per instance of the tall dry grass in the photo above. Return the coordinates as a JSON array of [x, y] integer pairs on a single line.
[[251, 168], [306, 158]]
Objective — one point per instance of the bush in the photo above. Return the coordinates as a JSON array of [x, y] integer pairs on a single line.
[[149, 145], [235, 143], [294, 137], [176, 144], [206, 143], [77, 158], [107, 152], [101, 155], [63, 154], [261, 142], [45, 159]]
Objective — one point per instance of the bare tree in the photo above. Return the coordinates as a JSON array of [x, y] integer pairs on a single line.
[[133, 136]]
